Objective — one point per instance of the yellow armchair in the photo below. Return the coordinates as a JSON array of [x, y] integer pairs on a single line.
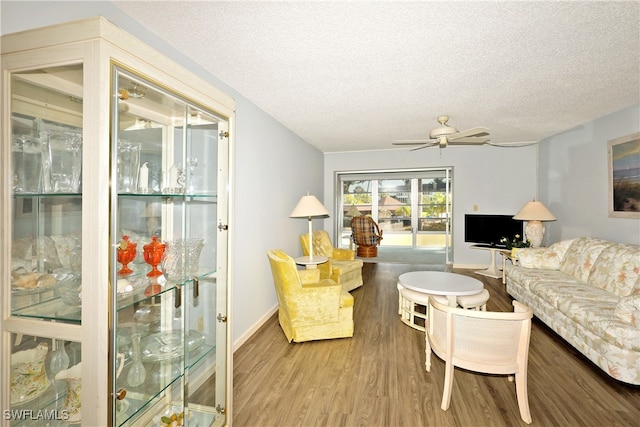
[[342, 267], [310, 308]]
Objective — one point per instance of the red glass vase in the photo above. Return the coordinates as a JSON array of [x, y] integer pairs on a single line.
[[153, 255], [127, 251]]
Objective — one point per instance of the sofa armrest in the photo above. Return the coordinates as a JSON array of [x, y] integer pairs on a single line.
[[628, 309], [542, 258]]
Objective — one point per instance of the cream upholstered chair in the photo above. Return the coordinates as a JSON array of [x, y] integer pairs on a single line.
[[366, 234], [342, 266], [480, 341], [309, 308]]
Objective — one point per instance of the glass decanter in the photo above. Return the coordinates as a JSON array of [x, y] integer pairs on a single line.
[[60, 359]]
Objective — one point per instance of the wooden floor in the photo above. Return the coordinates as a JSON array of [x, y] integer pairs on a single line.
[[377, 378]]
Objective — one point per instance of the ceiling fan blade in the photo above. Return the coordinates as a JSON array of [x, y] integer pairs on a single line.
[[431, 144], [471, 140], [469, 132], [410, 142], [513, 144]]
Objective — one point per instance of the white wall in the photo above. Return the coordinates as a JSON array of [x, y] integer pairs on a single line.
[[273, 167], [497, 180], [574, 179]]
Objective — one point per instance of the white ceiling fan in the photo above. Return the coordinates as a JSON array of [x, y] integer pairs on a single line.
[[445, 135]]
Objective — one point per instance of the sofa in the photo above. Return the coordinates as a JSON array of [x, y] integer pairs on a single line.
[[588, 291]]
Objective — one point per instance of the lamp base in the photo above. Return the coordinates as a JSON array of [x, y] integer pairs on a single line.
[[534, 232]]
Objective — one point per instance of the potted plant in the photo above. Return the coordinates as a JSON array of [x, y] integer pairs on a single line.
[[515, 243]]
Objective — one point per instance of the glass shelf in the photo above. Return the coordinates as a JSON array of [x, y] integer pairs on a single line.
[[54, 309]]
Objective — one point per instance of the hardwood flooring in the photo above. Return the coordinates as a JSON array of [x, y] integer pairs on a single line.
[[378, 378]]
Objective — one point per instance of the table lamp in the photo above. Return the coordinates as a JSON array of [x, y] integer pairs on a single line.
[[534, 213], [353, 211], [309, 207]]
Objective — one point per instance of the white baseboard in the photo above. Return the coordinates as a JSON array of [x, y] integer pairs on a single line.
[[254, 328]]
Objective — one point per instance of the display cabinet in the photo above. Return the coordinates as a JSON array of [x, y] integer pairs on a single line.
[[115, 233]]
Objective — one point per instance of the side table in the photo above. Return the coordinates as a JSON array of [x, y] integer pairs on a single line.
[[506, 255], [311, 263]]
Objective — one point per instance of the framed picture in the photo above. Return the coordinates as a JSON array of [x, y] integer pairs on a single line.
[[624, 176]]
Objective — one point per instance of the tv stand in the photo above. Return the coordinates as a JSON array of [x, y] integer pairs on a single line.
[[492, 270]]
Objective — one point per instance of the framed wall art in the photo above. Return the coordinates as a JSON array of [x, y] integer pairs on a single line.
[[624, 176]]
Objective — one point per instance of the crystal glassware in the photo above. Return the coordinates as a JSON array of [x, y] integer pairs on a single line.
[[26, 162], [137, 372], [128, 166], [61, 161], [126, 253], [181, 258], [153, 256], [60, 359]]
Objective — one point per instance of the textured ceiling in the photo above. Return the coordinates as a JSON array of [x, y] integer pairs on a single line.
[[356, 75]]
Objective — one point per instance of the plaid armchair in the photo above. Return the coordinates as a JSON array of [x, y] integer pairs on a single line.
[[366, 234]]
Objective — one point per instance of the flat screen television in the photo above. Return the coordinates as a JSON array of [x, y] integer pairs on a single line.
[[483, 229]]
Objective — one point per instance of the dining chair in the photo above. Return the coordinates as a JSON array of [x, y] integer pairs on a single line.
[[480, 341]]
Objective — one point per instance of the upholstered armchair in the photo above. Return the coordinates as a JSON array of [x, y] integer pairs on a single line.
[[342, 267], [309, 308], [366, 234], [480, 341]]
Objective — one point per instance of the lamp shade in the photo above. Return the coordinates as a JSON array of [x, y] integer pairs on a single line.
[[309, 206], [353, 211], [534, 211]]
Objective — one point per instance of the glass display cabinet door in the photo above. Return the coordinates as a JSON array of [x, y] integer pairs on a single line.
[[168, 342], [46, 225]]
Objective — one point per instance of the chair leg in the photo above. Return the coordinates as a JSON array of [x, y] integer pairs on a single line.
[[427, 351], [448, 384], [523, 399]]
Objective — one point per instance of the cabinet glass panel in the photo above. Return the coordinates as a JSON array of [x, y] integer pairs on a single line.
[[45, 381], [164, 229], [46, 171]]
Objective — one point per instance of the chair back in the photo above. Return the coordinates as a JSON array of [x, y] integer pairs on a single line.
[[365, 231], [322, 245], [285, 275], [481, 341]]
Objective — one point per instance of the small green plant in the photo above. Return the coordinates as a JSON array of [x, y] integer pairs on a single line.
[[516, 242]]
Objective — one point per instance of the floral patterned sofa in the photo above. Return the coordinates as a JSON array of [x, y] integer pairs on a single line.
[[588, 291]]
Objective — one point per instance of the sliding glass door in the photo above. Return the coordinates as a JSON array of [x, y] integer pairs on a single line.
[[412, 208]]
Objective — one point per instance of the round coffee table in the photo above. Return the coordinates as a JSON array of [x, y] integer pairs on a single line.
[[450, 285], [414, 288]]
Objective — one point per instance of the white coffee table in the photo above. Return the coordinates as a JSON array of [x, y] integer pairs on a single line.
[[450, 285]]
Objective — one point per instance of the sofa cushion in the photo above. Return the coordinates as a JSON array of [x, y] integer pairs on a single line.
[[599, 317], [561, 247], [543, 258], [628, 309], [525, 277], [617, 270], [556, 293], [581, 256]]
